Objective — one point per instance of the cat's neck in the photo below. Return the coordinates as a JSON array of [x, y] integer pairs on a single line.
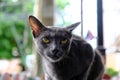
[[56, 70], [49, 69]]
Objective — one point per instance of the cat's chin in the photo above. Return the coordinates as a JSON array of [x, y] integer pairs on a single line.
[[54, 60]]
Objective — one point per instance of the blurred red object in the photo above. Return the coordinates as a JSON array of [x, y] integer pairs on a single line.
[[106, 77]]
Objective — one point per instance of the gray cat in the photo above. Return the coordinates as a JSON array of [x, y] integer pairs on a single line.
[[65, 56]]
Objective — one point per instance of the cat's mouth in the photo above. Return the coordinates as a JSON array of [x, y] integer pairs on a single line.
[[55, 57]]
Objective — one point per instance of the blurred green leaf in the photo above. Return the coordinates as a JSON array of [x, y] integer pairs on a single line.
[[112, 72], [62, 3], [13, 16]]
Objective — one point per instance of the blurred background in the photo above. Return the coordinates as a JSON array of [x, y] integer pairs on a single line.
[[16, 43]]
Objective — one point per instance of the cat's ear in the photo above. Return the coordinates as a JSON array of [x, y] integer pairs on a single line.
[[35, 25], [73, 26]]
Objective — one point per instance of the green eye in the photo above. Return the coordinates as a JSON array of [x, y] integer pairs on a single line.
[[46, 40], [64, 41]]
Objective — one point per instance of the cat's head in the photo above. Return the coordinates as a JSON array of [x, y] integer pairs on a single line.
[[52, 43]]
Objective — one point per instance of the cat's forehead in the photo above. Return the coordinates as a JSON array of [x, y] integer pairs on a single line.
[[56, 31], [55, 28]]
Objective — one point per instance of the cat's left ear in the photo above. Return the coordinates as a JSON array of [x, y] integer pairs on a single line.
[[35, 25], [73, 26]]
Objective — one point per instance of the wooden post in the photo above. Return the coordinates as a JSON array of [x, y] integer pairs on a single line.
[[44, 11], [48, 12], [38, 9]]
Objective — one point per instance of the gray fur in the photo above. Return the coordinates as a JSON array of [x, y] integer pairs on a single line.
[[74, 60]]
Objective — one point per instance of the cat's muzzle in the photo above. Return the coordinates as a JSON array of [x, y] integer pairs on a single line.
[[55, 55]]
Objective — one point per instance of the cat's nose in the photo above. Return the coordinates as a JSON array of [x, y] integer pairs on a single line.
[[55, 51]]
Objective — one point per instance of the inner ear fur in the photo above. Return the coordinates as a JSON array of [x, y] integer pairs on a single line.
[[35, 25]]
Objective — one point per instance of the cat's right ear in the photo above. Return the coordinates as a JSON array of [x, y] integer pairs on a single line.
[[35, 25], [73, 26]]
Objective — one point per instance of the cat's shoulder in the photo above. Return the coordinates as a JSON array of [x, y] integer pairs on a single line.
[[76, 38]]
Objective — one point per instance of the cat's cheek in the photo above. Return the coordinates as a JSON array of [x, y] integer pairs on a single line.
[[47, 55], [45, 52], [65, 47]]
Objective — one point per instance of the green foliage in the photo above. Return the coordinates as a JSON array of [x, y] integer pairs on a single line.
[[14, 31], [6, 40], [62, 3], [8, 6], [60, 10], [20, 26], [112, 72], [29, 6], [5, 1]]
